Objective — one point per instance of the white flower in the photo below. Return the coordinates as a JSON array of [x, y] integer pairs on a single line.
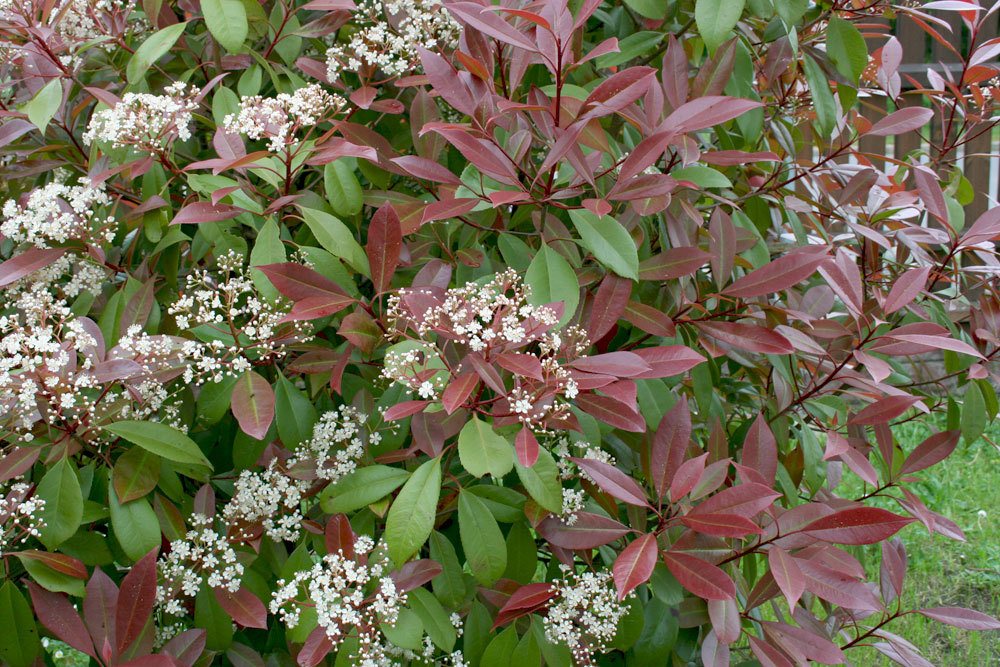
[[270, 498], [202, 556], [585, 614], [349, 596], [389, 34], [337, 443], [277, 118], [146, 121], [56, 213], [20, 516]]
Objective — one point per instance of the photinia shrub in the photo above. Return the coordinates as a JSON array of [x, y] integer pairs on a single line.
[[458, 333]]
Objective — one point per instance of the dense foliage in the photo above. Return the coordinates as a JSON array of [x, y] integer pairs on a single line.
[[466, 334]]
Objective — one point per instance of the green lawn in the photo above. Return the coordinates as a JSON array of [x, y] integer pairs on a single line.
[[966, 489]]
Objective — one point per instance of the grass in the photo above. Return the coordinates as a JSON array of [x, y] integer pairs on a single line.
[[965, 488]]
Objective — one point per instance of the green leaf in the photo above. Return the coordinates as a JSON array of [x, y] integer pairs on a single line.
[[522, 554], [362, 487], [608, 241], [481, 450], [43, 106], [293, 413], [135, 525], [846, 48], [411, 517], [135, 474], [227, 21], [337, 239], [214, 399], [702, 176], [210, 615], [449, 586], [650, 9], [50, 579], [267, 249], [342, 188], [542, 481], [63, 511], [973, 421], [407, 632], [161, 440], [482, 541], [716, 20], [19, 644], [435, 619], [501, 649], [823, 102], [552, 279], [152, 50], [635, 44]]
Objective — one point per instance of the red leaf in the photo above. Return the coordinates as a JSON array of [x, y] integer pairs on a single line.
[[700, 577], [787, 574], [635, 564], [385, 242], [837, 587], [485, 21], [187, 647], [243, 607], [747, 500], [611, 411], [315, 307], [704, 112], [779, 275], [668, 360], [620, 90], [930, 192], [589, 532], [298, 282], [749, 337], [339, 536], [760, 450], [98, 609], [673, 263], [809, 644], [526, 447], [524, 600], [448, 208], [610, 302], [966, 619], [726, 621], [415, 574], [767, 655], [58, 615], [651, 320], [883, 410], [405, 409], [715, 653], [613, 481], [59, 562], [253, 404], [458, 391], [670, 442], [202, 211], [905, 289], [858, 525], [27, 262], [687, 477], [316, 647], [525, 365], [933, 450], [905, 120], [18, 461], [618, 364], [722, 525], [135, 600], [425, 169]]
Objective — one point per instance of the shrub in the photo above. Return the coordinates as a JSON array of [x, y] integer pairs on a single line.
[[412, 333]]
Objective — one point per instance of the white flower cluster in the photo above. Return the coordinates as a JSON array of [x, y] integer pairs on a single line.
[[562, 450], [56, 213], [349, 595], [269, 498], [337, 443], [230, 306], [146, 121], [388, 35], [585, 614], [494, 315], [413, 370], [277, 118], [19, 515], [202, 556], [67, 277]]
